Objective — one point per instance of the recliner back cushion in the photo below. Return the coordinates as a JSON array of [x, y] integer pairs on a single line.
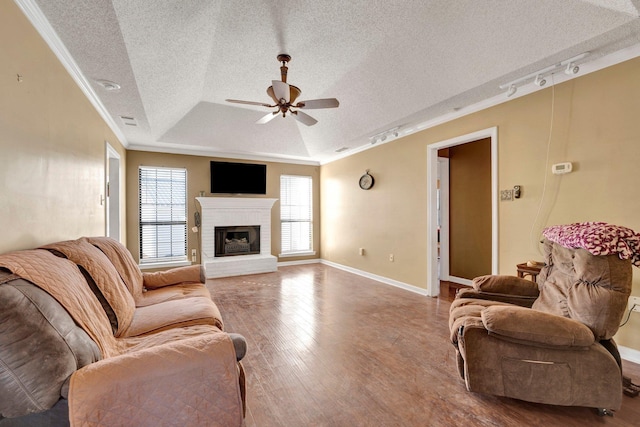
[[40, 347], [584, 287]]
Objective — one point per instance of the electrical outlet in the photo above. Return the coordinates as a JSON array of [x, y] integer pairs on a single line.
[[634, 303], [390, 257], [506, 195], [194, 256]]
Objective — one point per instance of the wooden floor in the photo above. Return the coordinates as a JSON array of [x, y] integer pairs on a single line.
[[329, 348]]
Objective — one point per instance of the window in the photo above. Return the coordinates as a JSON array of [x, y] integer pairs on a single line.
[[296, 214], [163, 214]]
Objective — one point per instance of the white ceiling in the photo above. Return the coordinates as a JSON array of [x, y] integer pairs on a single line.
[[390, 63]]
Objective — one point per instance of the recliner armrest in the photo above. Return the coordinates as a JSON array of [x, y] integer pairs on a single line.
[[509, 285], [536, 327], [192, 382], [174, 276]]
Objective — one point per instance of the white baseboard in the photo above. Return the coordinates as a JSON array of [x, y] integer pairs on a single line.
[[459, 280], [629, 354], [377, 278], [299, 262]]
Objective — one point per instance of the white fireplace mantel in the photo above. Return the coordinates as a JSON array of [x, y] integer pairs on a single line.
[[229, 212]]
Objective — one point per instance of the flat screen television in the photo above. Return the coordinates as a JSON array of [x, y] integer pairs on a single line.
[[238, 178]]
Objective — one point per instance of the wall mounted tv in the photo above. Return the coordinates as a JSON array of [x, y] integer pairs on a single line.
[[238, 178]]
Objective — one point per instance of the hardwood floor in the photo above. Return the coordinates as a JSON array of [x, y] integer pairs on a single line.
[[330, 348]]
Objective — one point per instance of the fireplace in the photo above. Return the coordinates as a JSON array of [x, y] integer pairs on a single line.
[[237, 240], [252, 242]]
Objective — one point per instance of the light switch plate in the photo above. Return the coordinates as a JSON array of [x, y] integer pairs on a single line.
[[506, 195]]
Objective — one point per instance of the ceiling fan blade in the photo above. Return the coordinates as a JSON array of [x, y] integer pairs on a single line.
[[267, 118], [281, 90], [237, 101], [304, 118], [318, 103]]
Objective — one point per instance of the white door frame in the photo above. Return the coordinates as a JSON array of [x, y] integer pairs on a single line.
[[443, 204], [433, 285], [112, 191]]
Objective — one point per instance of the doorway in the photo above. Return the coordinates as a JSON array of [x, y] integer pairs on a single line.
[[112, 190], [433, 237]]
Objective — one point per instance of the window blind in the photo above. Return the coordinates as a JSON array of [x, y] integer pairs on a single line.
[[163, 214], [296, 213]]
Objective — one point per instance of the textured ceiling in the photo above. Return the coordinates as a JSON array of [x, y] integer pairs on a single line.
[[390, 63]]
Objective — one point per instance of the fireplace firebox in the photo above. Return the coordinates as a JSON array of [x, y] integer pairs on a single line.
[[237, 240]]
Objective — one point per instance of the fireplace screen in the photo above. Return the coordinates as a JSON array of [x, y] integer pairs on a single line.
[[240, 240]]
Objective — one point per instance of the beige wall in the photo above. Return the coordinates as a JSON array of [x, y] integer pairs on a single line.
[[52, 144], [470, 209], [198, 179], [595, 126]]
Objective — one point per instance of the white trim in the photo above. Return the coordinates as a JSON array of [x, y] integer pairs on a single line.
[[377, 278], [299, 253], [194, 150], [433, 286], [150, 265], [443, 176], [300, 262], [42, 25], [111, 193], [629, 354], [603, 62], [460, 280]]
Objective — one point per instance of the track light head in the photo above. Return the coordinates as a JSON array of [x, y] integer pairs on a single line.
[[572, 68], [540, 81], [512, 90]]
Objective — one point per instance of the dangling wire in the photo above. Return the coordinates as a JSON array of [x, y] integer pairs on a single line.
[[533, 241], [628, 315]]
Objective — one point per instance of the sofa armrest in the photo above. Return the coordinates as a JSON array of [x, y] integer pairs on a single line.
[[174, 276], [526, 325], [508, 285], [190, 382]]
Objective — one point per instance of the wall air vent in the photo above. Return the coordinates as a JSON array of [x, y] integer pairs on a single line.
[[129, 121]]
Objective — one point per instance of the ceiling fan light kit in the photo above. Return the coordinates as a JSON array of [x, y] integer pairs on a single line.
[[284, 97]]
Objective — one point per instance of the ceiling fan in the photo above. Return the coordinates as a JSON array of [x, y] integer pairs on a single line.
[[284, 95]]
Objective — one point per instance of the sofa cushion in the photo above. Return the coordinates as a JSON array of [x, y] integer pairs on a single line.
[[105, 276], [40, 347], [123, 262]]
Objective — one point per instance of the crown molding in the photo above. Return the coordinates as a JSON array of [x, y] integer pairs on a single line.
[[43, 27], [190, 150], [603, 62]]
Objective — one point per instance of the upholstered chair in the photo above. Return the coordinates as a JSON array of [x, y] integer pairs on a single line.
[[546, 342]]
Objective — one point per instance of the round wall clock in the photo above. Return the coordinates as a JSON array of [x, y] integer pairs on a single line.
[[366, 181]]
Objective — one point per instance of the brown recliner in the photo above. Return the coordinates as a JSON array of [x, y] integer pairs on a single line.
[[549, 342]]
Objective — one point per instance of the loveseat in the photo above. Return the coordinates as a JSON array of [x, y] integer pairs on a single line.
[[86, 338]]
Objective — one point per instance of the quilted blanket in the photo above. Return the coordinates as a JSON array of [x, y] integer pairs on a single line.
[[598, 238]]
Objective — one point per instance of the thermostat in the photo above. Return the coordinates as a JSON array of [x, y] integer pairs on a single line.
[[560, 168]]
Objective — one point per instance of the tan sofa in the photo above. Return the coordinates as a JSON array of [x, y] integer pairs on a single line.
[[87, 339], [549, 342]]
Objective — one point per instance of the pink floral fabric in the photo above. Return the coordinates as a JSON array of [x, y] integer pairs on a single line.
[[598, 238]]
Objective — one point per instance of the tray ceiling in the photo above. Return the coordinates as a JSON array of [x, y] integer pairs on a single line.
[[390, 63]]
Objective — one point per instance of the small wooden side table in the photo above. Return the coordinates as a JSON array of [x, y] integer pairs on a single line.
[[529, 270]]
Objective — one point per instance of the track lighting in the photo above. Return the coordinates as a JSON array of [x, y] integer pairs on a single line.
[[382, 136], [540, 81], [569, 67], [572, 68]]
